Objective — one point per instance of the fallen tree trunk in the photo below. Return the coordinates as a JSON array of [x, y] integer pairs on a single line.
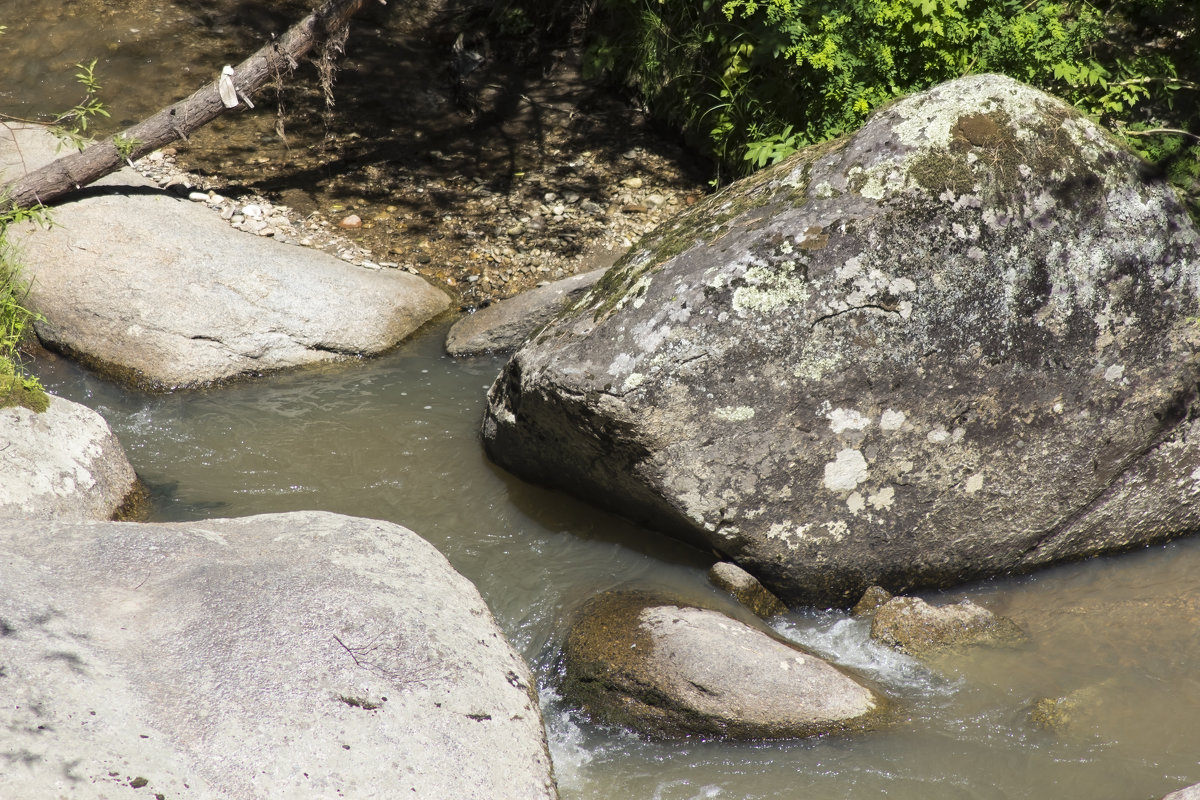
[[177, 121]]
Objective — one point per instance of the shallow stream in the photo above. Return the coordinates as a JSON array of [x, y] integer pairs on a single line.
[[396, 438]]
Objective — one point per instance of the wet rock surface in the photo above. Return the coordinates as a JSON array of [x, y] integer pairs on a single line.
[[64, 463], [914, 626], [288, 655], [959, 343], [507, 324], [746, 588], [161, 295], [668, 671]]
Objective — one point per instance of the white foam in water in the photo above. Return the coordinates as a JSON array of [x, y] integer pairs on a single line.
[[847, 641], [569, 749]]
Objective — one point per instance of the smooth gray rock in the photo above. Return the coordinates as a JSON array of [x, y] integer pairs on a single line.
[[508, 323], [668, 671], [161, 293], [957, 344], [918, 628], [62, 464], [1187, 793], [293, 655]]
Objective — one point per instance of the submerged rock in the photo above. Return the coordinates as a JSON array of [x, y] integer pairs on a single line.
[[667, 670], [64, 463], [914, 626], [959, 343], [508, 323], [160, 293], [746, 588], [288, 655]]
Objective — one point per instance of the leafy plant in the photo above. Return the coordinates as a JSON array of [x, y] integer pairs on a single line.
[[16, 387], [72, 126], [749, 81]]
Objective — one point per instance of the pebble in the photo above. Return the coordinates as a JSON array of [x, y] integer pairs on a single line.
[[632, 183], [198, 197], [252, 211], [352, 221]]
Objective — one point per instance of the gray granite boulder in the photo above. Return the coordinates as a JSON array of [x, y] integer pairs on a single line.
[[161, 293], [289, 655], [507, 324], [670, 670], [1187, 793], [959, 343], [64, 464]]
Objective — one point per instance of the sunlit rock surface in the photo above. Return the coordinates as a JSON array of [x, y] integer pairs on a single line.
[[669, 671], [64, 463], [287, 655], [959, 343], [161, 293]]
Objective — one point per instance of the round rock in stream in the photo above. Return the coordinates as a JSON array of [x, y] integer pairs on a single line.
[[64, 463], [668, 670], [959, 343]]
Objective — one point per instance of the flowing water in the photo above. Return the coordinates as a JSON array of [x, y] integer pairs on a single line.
[[396, 438]]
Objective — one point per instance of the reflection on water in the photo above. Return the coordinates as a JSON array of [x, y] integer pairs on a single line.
[[396, 438]]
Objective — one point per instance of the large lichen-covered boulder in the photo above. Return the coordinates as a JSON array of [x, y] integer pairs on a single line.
[[278, 656], [960, 343], [673, 670]]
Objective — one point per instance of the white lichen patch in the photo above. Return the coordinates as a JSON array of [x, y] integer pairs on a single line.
[[622, 364], [882, 499], [891, 420], [846, 472], [844, 419], [1114, 373], [734, 413], [815, 366], [768, 289], [850, 269], [855, 502], [633, 381], [974, 483], [638, 291], [938, 435]]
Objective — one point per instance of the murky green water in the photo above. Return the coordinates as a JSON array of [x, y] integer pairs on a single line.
[[396, 438]]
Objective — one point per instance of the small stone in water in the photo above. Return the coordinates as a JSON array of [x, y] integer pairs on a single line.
[[352, 221], [632, 183]]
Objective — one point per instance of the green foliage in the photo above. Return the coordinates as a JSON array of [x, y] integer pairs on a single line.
[[126, 146], [750, 81], [72, 126], [16, 387]]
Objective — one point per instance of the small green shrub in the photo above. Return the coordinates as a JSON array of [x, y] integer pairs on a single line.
[[17, 388]]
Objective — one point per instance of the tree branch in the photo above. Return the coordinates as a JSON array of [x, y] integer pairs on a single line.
[[77, 170]]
